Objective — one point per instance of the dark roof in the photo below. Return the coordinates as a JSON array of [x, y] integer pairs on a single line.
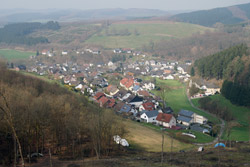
[[125, 108], [151, 114], [167, 110], [186, 113], [136, 99], [184, 119]]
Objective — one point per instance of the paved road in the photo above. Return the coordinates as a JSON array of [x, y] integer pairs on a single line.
[[222, 125]]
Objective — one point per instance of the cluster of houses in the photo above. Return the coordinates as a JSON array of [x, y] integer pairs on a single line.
[[134, 99], [132, 96], [207, 88]]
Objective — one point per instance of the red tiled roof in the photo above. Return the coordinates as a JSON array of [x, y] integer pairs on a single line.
[[127, 82], [143, 93], [164, 117], [148, 106], [103, 100], [99, 95], [124, 81], [111, 104], [112, 100]]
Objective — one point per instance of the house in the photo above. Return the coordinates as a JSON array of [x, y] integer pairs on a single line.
[[136, 101], [152, 62], [186, 117], [64, 53], [149, 116], [166, 120], [117, 51], [135, 89], [44, 52], [120, 94], [167, 110], [127, 83], [149, 106], [96, 52], [98, 95], [112, 90], [168, 77], [148, 85], [111, 103], [143, 93], [127, 50], [188, 62], [125, 108], [110, 63], [102, 101]]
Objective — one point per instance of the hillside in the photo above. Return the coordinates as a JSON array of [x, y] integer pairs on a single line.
[[18, 33], [135, 34], [41, 116], [228, 15], [76, 15], [233, 66]]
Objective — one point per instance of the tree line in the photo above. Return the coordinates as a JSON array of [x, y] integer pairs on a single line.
[[222, 65], [37, 116], [233, 66], [214, 107], [18, 33]]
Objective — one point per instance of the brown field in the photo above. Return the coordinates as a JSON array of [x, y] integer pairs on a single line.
[[150, 139]]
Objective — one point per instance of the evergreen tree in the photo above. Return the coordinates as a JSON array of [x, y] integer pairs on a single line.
[[192, 72]]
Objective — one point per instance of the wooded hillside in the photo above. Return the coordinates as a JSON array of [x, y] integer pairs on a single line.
[[228, 15], [40, 117], [233, 66], [18, 33]]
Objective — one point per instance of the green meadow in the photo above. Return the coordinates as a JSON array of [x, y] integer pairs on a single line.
[[8, 54], [177, 99], [240, 114], [142, 32]]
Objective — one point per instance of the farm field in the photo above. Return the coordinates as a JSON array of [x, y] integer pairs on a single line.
[[14, 54], [142, 32], [241, 114]]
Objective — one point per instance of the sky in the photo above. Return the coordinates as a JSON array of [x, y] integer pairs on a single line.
[[98, 4]]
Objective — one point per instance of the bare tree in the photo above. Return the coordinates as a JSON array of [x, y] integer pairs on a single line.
[[5, 108]]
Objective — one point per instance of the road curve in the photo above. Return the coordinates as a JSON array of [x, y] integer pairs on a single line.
[[222, 125]]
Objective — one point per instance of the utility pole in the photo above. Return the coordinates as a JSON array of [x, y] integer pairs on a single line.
[[162, 147]]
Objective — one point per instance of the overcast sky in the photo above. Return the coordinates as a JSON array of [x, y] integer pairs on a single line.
[[97, 4]]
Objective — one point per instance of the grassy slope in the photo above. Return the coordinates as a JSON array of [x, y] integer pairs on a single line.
[[148, 31], [150, 139], [240, 114], [177, 99], [14, 54]]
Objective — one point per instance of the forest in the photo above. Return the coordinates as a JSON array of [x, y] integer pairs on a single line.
[[18, 33], [36, 116], [233, 66]]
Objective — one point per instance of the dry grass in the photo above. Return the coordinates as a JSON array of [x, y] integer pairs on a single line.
[[151, 140]]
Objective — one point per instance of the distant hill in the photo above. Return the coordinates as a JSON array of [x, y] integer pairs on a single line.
[[227, 15], [76, 15]]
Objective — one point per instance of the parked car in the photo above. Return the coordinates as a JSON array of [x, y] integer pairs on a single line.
[[34, 155]]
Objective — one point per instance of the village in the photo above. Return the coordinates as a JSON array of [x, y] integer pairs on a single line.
[[127, 87]]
